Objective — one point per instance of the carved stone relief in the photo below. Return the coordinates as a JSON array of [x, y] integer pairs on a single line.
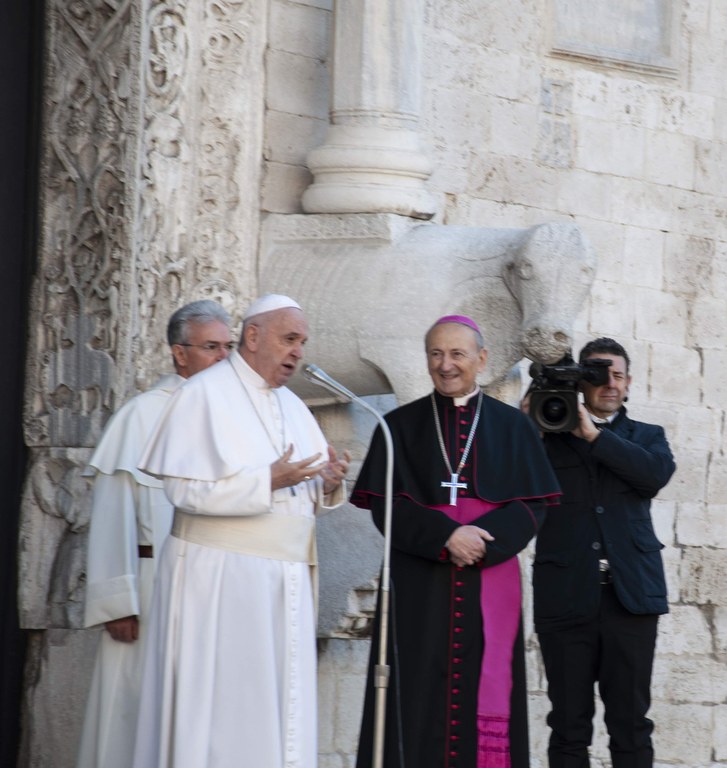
[[82, 285], [150, 166]]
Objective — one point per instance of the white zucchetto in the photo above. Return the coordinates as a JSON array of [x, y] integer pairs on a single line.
[[269, 303]]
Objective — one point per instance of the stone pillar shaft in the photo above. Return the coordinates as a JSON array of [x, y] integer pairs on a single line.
[[372, 161]]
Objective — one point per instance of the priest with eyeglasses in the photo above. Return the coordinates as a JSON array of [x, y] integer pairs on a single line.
[[471, 487]]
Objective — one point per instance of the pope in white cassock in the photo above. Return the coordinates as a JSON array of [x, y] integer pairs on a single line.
[[230, 669], [130, 518]]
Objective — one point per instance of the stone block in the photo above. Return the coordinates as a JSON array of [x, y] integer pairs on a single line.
[[652, 412], [684, 630], [670, 159], [591, 93], [702, 525], [283, 186], [633, 102], [326, 705], [720, 120], [451, 173], [720, 734], [717, 478], [708, 329], [594, 149], [683, 732], [538, 709], [556, 97], [698, 213], [297, 84], [498, 73], [611, 148], [704, 65], [289, 138], [511, 178], [642, 204], [612, 308], [55, 695], [689, 679], [342, 665], [328, 760], [698, 428], [690, 479], [688, 264], [660, 317], [586, 194], [534, 660], [513, 128], [663, 383], [704, 574], [643, 256], [326, 5], [663, 514], [717, 285], [302, 29], [691, 114], [672, 559], [714, 381], [505, 27], [719, 622], [349, 708]]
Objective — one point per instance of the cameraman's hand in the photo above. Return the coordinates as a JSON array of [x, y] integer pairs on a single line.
[[586, 429]]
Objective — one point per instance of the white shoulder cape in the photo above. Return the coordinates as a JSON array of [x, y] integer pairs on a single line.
[[125, 434], [211, 430]]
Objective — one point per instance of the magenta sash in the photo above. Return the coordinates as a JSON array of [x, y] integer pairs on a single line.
[[500, 603]]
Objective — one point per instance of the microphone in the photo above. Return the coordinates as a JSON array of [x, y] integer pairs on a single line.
[[382, 669], [318, 376]]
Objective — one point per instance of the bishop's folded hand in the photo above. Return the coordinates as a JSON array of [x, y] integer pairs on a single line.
[[468, 545]]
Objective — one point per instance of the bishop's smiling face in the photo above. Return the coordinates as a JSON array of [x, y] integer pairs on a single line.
[[454, 359]]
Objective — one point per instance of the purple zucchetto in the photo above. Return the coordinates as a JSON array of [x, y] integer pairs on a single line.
[[461, 319]]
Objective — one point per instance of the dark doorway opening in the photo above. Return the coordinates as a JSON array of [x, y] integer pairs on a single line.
[[21, 27]]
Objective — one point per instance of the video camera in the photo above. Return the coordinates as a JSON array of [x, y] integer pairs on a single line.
[[554, 391]]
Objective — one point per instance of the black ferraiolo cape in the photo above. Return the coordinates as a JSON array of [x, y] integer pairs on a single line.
[[507, 466]]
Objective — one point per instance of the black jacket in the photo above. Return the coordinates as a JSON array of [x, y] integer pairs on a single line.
[[605, 512]]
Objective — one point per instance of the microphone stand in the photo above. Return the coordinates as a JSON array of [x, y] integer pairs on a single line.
[[382, 670]]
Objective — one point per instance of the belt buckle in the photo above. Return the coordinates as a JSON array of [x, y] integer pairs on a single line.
[[604, 572]]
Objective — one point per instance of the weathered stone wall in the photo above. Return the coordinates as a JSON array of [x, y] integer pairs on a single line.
[[172, 126], [534, 116]]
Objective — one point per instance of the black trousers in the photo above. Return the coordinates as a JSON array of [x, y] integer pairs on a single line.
[[615, 650]]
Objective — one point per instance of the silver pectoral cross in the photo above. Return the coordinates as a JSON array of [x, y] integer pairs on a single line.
[[453, 485]]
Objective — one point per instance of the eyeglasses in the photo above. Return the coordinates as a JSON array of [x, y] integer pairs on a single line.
[[213, 346]]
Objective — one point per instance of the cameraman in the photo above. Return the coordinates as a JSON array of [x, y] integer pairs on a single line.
[[598, 577]]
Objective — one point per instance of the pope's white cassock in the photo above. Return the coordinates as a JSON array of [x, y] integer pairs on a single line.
[[230, 672], [129, 509]]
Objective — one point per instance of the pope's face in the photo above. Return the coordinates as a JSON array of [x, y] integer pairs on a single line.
[[454, 359], [206, 343], [274, 344], [606, 400]]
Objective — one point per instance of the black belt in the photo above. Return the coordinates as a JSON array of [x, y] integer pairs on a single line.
[[604, 572], [146, 550]]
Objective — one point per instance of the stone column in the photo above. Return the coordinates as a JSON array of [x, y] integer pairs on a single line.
[[372, 161]]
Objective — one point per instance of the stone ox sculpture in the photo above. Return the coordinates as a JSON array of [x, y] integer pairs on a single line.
[[372, 285]]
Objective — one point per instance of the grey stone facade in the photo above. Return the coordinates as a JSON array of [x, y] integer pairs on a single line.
[[174, 129]]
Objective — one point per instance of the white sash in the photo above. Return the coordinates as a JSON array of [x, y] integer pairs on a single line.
[[278, 537]]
